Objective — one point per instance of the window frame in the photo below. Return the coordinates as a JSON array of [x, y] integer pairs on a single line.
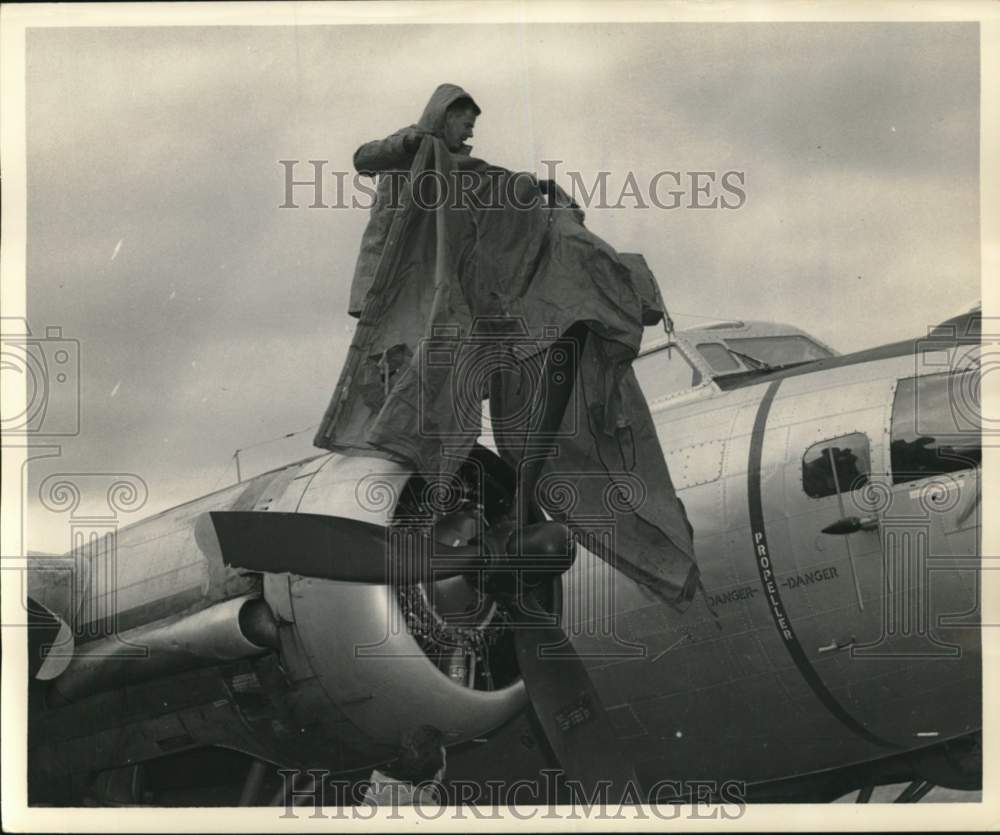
[[745, 345], [912, 476], [828, 442], [703, 378], [738, 364]]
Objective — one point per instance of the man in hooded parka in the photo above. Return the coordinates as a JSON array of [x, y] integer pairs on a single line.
[[450, 115], [510, 268]]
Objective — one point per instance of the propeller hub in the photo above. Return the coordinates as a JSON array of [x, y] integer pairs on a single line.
[[528, 556], [545, 547]]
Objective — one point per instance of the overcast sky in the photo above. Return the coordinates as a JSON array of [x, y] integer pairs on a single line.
[[210, 319]]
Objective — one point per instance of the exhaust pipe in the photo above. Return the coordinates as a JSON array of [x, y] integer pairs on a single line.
[[238, 628]]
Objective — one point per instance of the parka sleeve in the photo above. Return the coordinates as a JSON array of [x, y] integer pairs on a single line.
[[383, 154]]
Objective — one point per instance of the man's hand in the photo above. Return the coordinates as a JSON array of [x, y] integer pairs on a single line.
[[412, 139]]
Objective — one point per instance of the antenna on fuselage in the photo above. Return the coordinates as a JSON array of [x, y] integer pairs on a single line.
[[236, 453]]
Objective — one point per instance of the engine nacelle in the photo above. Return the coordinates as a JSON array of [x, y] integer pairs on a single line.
[[390, 659]]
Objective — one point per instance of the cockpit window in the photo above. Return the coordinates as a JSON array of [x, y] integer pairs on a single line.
[[836, 466], [718, 357], [665, 371], [779, 350], [935, 426]]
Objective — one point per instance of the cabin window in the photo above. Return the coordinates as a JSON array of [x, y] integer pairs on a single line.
[[935, 426], [836, 466], [718, 357], [665, 371], [779, 350]]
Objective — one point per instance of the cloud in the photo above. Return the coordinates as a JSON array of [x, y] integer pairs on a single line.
[[154, 234]]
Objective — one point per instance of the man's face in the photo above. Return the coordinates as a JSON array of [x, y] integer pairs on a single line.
[[458, 125]]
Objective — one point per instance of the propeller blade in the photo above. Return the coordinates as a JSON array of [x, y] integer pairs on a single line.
[[335, 548], [47, 632], [567, 704]]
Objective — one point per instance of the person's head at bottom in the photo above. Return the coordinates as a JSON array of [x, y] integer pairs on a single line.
[[421, 756]]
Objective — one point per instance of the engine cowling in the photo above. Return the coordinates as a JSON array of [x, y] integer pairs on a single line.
[[392, 658]]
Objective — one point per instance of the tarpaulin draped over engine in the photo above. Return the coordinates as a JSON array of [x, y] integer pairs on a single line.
[[480, 274]]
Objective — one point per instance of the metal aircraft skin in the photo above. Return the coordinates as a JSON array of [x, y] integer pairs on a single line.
[[835, 502]]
